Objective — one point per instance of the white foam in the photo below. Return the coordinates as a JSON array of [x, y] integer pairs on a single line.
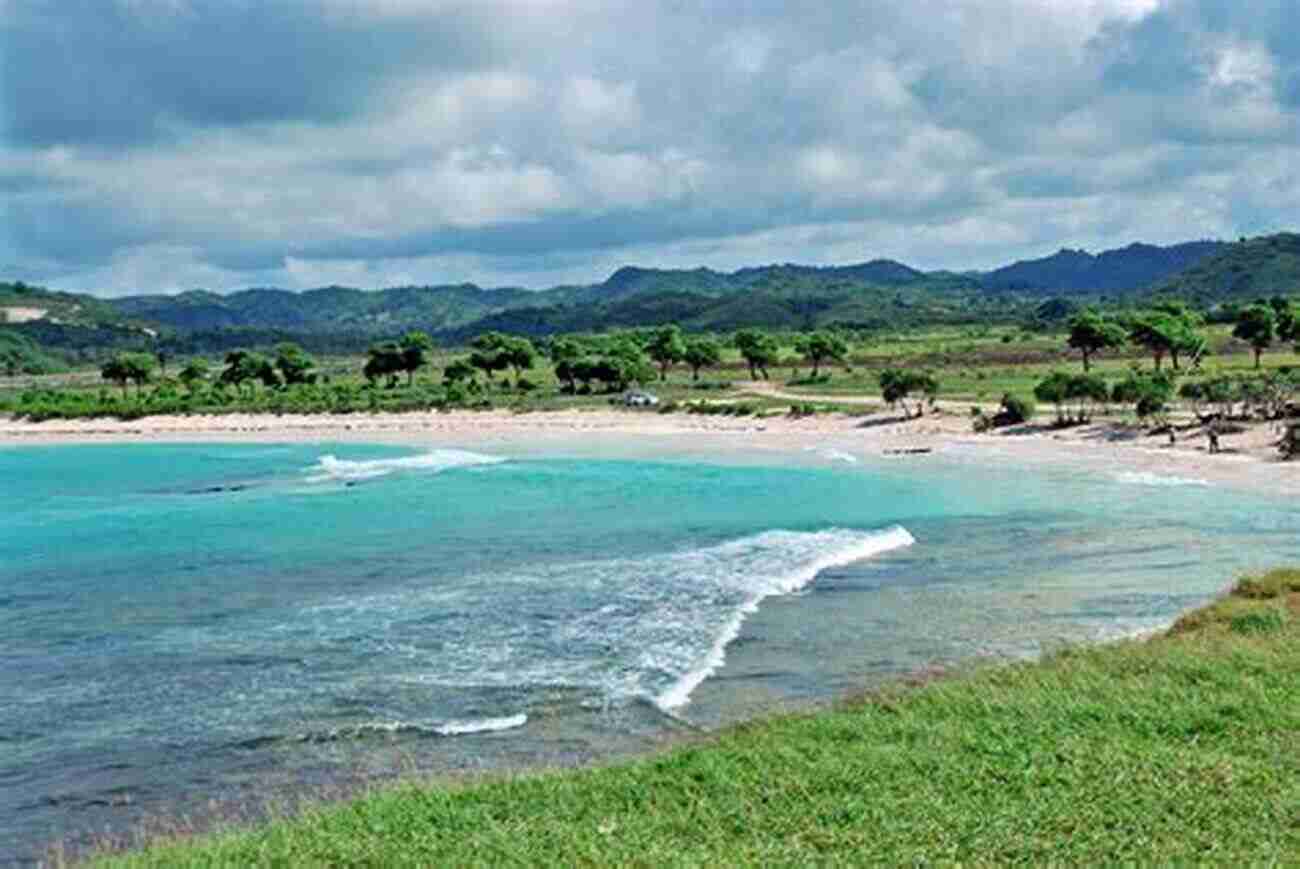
[[333, 468], [651, 627], [837, 548], [1146, 478], [446, 728], [482, 725], [833, 455]]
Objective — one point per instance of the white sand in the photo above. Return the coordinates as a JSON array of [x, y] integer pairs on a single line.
[[1249, 460]]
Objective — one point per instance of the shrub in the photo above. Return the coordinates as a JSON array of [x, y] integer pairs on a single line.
[[1266, 621], [1015, 410]]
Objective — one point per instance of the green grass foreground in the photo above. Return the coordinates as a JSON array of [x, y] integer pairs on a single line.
[[1183, 747]]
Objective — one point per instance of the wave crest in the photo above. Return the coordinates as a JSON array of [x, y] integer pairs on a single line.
[[1146, 478], [811, 554], [446, 728], [330, 467]]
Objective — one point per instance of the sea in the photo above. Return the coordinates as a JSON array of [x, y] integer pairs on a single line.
[[214, 632]]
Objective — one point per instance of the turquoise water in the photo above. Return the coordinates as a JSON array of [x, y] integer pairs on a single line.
[[188, 623]]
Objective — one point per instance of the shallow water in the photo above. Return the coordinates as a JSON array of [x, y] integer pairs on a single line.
[[185, 623]]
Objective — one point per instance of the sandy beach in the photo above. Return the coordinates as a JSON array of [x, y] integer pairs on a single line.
[[1249, 459]]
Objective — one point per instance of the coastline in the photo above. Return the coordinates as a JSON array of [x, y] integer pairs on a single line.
[[776, 440], [1136, 750], [1249, 459]]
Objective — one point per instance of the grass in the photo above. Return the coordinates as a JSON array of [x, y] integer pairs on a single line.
[[1183, 747], [971, 364]]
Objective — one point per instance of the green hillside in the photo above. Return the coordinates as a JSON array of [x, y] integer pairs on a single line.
[[1249, 269]]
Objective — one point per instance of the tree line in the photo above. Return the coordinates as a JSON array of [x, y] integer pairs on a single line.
[[1172, 330]]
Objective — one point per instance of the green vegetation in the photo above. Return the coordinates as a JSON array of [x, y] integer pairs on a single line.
[[1184, 748], [21, 355], [1091, 332], [758, 349], [1076, 396], [898, 384], [974, 364], [1248, 269], [702, 352], [819, 347]]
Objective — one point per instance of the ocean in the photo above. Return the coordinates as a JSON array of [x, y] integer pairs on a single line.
[[210, 630]]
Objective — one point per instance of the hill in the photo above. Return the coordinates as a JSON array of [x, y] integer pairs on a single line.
[[1077, 271], [328, 309], [1254, 267], [876, 294]]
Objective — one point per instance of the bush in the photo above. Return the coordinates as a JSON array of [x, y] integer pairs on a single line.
[[1015, 410], [810, 380], [1266, 621]]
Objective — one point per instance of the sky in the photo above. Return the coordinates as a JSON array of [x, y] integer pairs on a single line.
[[163, 145]]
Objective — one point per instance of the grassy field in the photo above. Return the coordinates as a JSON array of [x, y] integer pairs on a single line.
[[1181, 748], [971, 364]]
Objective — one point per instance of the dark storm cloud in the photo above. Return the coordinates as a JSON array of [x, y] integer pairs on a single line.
[[92, 72]]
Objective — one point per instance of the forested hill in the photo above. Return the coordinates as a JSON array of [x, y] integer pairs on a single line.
[[328, 309], [874, 294], [1252, 268], [1077, 271]]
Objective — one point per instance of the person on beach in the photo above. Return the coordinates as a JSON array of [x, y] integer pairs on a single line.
[[1173, 437], [1214, 439]]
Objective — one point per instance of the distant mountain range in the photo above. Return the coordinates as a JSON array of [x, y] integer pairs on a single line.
[[876, 294]]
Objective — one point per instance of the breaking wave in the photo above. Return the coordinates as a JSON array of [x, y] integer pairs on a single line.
[[1146, 478], [782, 562], [446, 728], [333, 468]]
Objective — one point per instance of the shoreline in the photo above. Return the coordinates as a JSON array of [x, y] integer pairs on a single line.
[[1248, 461], [866, 751]]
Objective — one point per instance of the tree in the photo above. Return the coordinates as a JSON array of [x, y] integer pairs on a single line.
[[1148, 393], [1155, 333], [134, 368], [1288, 319], [457, 372], [898, 384], [565, 353], [1256, 325], [1084, 390], [1090, 333], [245, 366], [1087, 391], [115, 370], [519, 354], [758, 349], [1169, 329], [194, 372], [490, 353], [1055, 389], [666, 347], [818, 347], [293, 363], [1184, 323], [624, 363], [385, 360], [702, 352], [415, 348]]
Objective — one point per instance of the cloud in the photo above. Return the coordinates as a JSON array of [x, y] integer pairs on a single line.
[[227, 143]]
